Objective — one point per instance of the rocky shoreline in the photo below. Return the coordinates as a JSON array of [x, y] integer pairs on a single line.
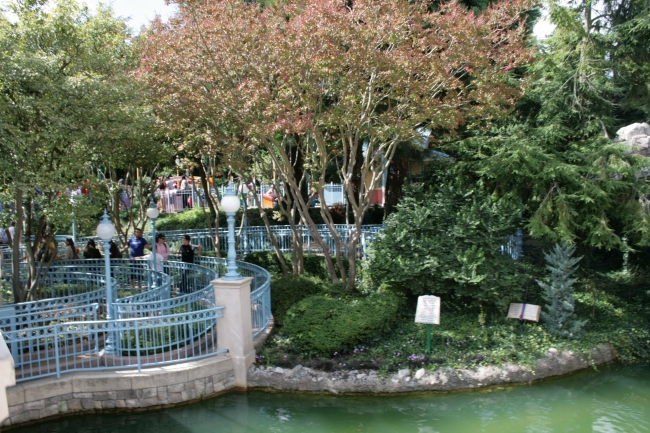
[[303, 379]]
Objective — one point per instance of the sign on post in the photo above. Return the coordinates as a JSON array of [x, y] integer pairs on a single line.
[[428, 312], [524, 312]]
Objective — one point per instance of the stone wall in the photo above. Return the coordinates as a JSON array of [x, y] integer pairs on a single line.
[[301, 379], [110, 391]]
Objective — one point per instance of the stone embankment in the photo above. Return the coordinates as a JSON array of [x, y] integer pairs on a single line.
[[114, 391], [303, 379]]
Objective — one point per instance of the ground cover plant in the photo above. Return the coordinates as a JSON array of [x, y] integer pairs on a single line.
[[460, 341]]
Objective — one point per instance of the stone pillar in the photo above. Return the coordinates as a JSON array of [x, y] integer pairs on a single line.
[[7, 377], [235, 328]]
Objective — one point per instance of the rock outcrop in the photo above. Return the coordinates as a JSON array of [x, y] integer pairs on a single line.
[[303, 379], [636, 135]]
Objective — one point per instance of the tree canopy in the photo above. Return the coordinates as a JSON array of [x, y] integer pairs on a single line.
[[325, 82], [67, 107], [556, 152]]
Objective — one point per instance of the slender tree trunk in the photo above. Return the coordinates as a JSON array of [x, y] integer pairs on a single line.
[[287, 173], [16, 287], [214, 212]]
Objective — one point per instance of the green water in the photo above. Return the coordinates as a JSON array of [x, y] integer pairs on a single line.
[[613, 399]]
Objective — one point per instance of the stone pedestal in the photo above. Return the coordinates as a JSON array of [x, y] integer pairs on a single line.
[[7, 377], [235, 328]]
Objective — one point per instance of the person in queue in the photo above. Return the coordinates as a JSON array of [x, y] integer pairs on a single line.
[[136, 246], [186, 251], [91, 251]]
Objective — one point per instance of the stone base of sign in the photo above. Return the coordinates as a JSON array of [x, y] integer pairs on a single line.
[[119, 391], [302, 379]]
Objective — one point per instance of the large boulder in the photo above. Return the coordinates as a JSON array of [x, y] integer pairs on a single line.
[[636, 135]]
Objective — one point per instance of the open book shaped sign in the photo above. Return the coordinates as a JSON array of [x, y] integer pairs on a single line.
[[428, 310], [524, 312]]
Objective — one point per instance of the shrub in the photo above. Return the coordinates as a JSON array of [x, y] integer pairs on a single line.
[[285, 292], [266, 259], [186, 220], [325, 325], [195, 219], [314, 265], [445, 240]]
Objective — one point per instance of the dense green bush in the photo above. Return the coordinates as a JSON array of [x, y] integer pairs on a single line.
[[325, 325], [285, 292], [445, 240], [195, 218], [314, 265], [187, 220]]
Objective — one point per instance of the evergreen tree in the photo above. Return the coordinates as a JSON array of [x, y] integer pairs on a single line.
[[559, 313], [555, 153]]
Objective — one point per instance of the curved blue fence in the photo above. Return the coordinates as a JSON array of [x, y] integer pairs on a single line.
[[159, 317]]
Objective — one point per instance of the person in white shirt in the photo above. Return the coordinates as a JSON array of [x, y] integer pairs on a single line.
[[184, 191], [157, 266]]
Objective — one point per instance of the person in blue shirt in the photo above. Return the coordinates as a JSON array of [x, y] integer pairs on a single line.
[[137, 244]]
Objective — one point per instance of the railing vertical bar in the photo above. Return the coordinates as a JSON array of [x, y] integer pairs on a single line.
[[137, 345], [56, 353]]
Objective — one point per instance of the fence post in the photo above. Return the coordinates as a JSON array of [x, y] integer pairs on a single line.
[[235, 327], [57, 356], [7, 377]]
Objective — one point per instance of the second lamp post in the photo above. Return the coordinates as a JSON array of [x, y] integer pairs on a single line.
[[230, 205], [152, 213]]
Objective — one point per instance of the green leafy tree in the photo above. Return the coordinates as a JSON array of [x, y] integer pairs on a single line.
[[446, 240], [67, 107], [559, 313]]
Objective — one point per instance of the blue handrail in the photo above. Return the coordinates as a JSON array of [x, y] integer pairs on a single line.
[[161, 317]]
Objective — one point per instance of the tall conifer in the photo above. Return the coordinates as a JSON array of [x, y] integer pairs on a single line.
[[559, 313]]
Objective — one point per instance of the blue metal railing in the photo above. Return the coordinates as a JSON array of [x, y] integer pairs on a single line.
[[138, 343], [260, 289], [160, 317], [256, 238]]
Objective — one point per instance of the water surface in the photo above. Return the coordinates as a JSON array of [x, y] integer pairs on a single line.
[[613, 399]]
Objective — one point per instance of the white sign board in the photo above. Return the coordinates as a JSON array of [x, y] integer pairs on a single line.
[[525, 312], [428, 310]]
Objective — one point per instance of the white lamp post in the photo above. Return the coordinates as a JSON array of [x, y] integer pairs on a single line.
[[152, 213], [230, 205], [243, 188], [106, 231]]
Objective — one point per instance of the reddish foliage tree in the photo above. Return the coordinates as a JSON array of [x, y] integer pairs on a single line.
[[339, 75]]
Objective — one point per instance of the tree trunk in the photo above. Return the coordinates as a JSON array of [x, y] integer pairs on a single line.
[[397, 172], [16, 287], [214, 212]]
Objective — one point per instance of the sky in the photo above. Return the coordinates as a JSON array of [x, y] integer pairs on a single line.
[[141, 12]]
